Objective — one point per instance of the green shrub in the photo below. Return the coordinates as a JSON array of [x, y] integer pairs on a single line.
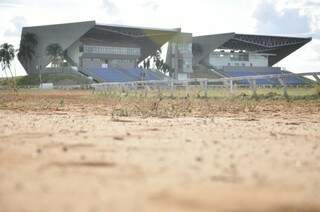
[[318, 89]]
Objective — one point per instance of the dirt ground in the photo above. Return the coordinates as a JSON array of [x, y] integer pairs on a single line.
[[69, 151]]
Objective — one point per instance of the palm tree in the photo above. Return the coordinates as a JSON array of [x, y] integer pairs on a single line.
[[26, 50], [7, 54], [161, 65], [157, 60], [56, 54]]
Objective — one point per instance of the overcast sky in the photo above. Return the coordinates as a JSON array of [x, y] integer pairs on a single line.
[[280, 17]]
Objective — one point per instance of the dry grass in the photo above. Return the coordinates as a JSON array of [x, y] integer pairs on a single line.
[[118, 103]]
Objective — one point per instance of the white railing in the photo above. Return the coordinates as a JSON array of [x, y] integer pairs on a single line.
[[204, 83]]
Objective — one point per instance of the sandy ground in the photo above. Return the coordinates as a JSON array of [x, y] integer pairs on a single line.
[[89, 162]]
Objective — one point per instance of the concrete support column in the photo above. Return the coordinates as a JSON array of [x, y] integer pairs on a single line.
[[316, 77]]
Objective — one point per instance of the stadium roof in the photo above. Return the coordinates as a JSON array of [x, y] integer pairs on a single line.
[[279, 46], [150, 39]]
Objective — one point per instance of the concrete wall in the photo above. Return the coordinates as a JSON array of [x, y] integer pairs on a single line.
[[74, 52], [63, 34]]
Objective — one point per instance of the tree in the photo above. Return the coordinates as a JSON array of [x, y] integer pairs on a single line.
[[158, 61], [196, 49], [7, 54], [26, 50], [56, 54], [148, 64], [161, 65]]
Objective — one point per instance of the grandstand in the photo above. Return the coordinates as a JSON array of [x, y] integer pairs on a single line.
[[122, 75], [105, 53], [237, 55], [114, 53]]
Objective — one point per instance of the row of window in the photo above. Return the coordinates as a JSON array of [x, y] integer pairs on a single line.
[[123, 61], [238, 64], [233, 57], [183, 48], [239, 57], [112, 50]]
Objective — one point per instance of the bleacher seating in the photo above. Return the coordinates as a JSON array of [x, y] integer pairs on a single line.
[[254, 71], [122, 75]]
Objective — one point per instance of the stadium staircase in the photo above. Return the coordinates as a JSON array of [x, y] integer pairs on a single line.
[[203, 72]]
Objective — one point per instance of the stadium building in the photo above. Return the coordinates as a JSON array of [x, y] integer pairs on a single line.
[[113, 53], [235, 55]]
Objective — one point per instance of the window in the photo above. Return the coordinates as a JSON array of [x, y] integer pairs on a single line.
[[112, 50]]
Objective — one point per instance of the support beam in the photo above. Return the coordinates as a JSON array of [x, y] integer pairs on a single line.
[[316, 77]]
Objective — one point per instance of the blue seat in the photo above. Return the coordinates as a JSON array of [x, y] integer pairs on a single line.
[[121, 75], [291, 80]]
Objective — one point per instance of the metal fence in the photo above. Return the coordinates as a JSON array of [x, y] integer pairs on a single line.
[[204, 84]]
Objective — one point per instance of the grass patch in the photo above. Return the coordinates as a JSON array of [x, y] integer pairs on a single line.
[[55, 78]]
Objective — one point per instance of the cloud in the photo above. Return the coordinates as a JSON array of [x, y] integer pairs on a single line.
[[15, 27], [10, 3], [288, 21], [110, 7], [312, 3], [151, 5]]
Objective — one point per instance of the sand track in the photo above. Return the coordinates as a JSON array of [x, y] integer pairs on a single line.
[[76, 159]]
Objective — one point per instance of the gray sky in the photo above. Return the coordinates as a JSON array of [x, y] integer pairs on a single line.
[[280, 17]]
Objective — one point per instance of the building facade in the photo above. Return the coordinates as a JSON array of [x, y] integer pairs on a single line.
[[89, 46]]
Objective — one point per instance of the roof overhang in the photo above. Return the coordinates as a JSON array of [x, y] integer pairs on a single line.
[[149, 39], [280, 46]]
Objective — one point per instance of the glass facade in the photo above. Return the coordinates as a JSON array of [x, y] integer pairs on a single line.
[[112, 50], [122, 63], [233, 56], [221, 59], [183, 52], [183, 48]]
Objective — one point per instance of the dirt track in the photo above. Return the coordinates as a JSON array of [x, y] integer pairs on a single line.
[[71, 160]]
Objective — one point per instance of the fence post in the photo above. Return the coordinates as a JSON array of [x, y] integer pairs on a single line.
[[285, 87], [254, 87], [171, 87], [231, 86], [205, 88]]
